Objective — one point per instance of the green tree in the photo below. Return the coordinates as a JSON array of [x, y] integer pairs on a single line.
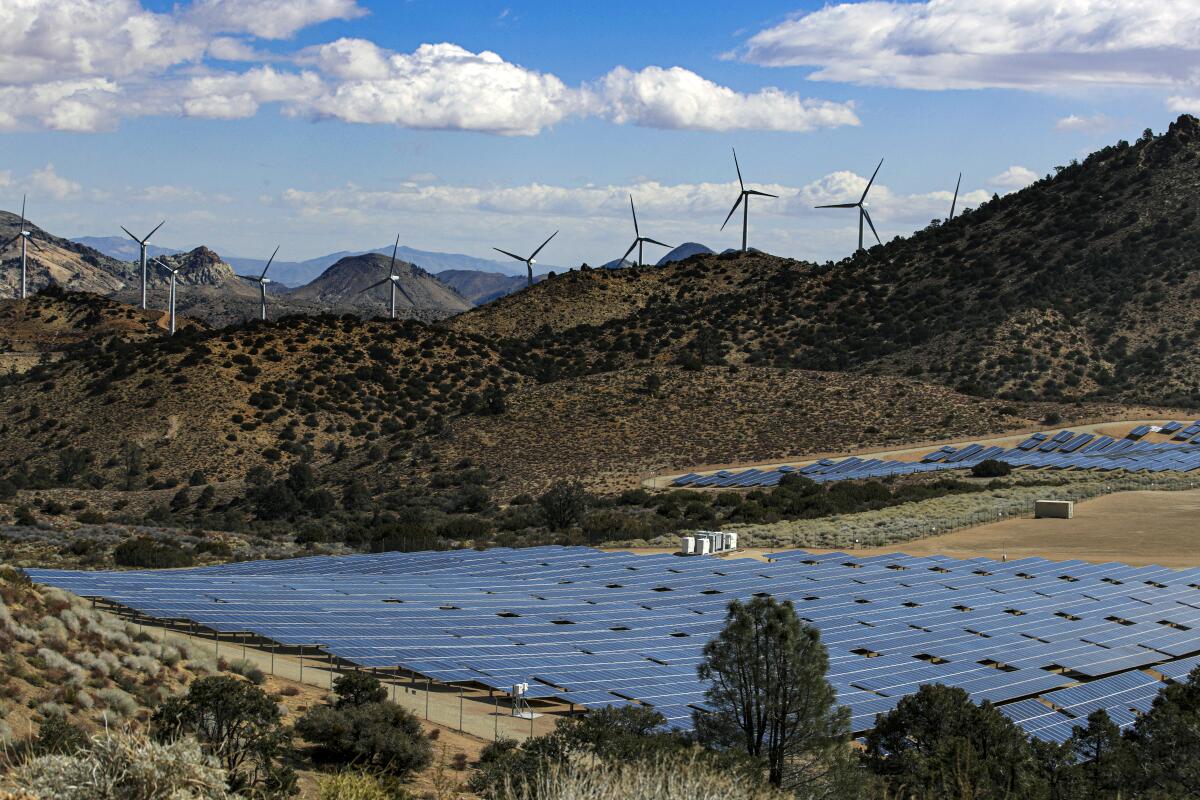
[[237, 724], [938, 744], [382, 736], [564, 504], [1104, 764], [1166, 741], [769, 696], [358, 689], [72, 462]]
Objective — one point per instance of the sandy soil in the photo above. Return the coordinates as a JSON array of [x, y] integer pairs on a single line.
[[1136, 528], [1114, 428]]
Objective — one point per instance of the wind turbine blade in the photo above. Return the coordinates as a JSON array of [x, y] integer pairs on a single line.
[[268, 266], [407, 296], [373, 285], [161, 264], [760, 194], [9, 242], [738, 167], [131, 236], [954, 202], [395, 248], [867, 215], [36, 246], [735, 208], [510, 255], [254, 278], [873, 174], [630, 250], [535, 252], [633, 211], [839, 205], [655, 241], [22, 212], [151, 233]]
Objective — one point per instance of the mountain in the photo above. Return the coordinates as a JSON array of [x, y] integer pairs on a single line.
[[58, 262], [483, 287], [1081, 286], [297, 273], [684, 251], [1075, 297], [344, 286], [122, 248]]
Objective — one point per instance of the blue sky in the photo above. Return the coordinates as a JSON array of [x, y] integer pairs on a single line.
[[335, 124]]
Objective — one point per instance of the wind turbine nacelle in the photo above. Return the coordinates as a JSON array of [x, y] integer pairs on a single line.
[[532, 261], [264, 281], [864, 204]]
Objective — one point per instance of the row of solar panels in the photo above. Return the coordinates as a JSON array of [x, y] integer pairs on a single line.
[[597, 628], [1063, 450]]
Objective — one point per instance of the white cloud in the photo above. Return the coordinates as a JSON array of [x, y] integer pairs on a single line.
[[230, 95], [1074, 122], [270, 19], [170, 193], [1015, 177], [48, 183], [1181, 104], [964, 44], [678, 98]]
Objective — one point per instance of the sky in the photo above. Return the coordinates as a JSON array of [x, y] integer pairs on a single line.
[[462, 125]]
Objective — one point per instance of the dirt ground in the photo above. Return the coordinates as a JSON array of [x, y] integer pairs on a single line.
[[1136, 528]]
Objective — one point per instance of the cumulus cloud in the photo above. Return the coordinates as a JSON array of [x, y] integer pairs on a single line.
[[965, 44], [46, 182], [1075, 122], [678, 98], [1015, 177], [270, 19], [83, 65]]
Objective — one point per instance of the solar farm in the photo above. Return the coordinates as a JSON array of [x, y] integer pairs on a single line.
[[1047, 642], [1063, 450]]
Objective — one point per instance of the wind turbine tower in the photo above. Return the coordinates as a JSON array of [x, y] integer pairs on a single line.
[[142, 245], [174, 273], [743, 201], [394, 280], [529, 262], [26, 238], [640, 240], [861, 205], [262, 281]]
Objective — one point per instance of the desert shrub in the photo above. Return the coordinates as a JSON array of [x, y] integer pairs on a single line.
[[564, 504], [58, 736], [24, 516], [124, 767], [149, 554], [354, 786], [669, 779], [991, 468], [383, 736], [249, 671], [90, 517], [358, 689]]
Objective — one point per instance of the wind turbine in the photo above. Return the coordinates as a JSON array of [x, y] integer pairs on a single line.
[[174, 272], [142, 245], [954, 202], [26, 238], [262, 281], [640, 240], [529, 262], [394, 280], [744, 197], [861, 205]]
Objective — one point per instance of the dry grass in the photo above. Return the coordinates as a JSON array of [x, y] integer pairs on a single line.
[[670, 780]]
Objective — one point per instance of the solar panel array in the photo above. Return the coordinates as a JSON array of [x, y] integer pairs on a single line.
[[1064, 450], [599, 628]]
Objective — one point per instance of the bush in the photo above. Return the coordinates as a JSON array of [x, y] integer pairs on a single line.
[[59, 737], [564, 505], [358, 689], [353, 786], [382, 736], [149, 554], [122, 766], [24, 516], [991, 468], [248, 671]]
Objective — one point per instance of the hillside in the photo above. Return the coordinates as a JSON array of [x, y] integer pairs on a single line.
[[345, 285], [58, 262], [1080, 286], [482, 287]]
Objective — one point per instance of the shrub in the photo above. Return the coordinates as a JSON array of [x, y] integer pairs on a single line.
[[59, 737], [383, 736], [122, 766], [358, 689], [991, 468], [149, 554], [353, 786], [248, 671], [564, 505]]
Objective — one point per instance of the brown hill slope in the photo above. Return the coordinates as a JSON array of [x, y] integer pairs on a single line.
[[1082, 285], [344, 285], [58, 262]]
